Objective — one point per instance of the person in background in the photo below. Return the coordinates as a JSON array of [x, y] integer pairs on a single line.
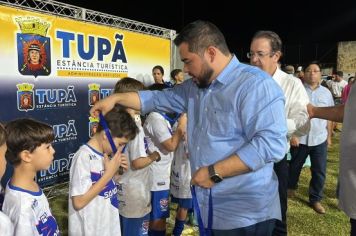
[[336, 86], [315, 143], [236, 131], [300, 73], [345, 113], [180, 183], [265, 52], [29, 151], [134, 186], [93, 204], [158, 73], [346, 90], [6, 227], [177, 76], [161, 138], [289, 69]]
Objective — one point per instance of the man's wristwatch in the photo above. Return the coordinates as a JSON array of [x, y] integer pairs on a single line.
[[216, 178]]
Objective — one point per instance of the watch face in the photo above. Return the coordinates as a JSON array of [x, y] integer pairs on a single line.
[[216, 178]]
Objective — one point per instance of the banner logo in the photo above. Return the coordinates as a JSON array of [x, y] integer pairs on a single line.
[[93, 93], [33, 47], [25, 97], [93, 126]]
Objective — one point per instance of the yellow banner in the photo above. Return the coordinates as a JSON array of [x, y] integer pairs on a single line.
[[34, 44]]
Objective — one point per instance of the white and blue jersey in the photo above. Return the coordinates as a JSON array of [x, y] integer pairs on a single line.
[[157, 130], [101, 215], [29, 212], [134, 189]]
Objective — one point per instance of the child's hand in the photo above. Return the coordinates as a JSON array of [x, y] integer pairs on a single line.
[[113, 164], [124, 162]]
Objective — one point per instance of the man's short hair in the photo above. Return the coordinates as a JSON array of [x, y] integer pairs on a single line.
[[340, 73]]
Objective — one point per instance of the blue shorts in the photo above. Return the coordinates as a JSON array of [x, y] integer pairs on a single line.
[[160, 204], [135, 226], [186, 203]]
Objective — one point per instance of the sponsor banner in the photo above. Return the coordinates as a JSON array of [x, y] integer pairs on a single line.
[[54, 69]]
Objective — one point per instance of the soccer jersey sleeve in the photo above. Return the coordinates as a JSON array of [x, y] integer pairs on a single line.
[[80, 180]]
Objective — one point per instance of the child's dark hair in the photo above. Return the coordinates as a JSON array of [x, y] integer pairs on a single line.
[[120, 123], [128, 84], [26, 134], [174, 73], [2, 135]]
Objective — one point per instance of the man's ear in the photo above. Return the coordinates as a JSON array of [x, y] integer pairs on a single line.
[[211, 53], [277, 55], [26, 156]]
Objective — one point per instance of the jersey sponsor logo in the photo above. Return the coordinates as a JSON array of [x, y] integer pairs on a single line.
[[47, 225], [110, 190]]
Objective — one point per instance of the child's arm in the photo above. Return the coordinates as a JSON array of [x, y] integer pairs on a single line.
[[110, 168], [171, 144], [142, 162]]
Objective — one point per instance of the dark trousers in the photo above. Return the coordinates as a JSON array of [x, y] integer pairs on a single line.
[[264, 228], [281, 169], [318, 155], [353, 227]]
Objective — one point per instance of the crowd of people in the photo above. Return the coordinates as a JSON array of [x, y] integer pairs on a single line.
[[227, 131]]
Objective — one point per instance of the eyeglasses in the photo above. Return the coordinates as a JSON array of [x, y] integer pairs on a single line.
[[259, 54], [312, 71]]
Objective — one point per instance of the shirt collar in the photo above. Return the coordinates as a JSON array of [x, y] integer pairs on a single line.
[[225, 76]]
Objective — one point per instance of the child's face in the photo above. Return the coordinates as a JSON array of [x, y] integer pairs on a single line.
[[119, 143], [43, 156], [3, 149]]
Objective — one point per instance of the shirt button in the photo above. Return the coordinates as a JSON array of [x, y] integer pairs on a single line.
[[198, 147]]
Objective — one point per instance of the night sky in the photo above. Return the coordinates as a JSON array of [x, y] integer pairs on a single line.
[[309, 29]]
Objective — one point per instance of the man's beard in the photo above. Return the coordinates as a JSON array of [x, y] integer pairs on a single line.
[[203, 79]]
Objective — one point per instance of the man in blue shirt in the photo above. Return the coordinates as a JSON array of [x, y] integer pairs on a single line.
[[236, 130], [315, 143]]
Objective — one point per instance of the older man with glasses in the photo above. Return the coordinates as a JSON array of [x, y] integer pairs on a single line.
[[265, 52]]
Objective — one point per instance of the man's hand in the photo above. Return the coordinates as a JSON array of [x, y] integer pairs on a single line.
[[105, 105], [201, 178], [294, 141], [310, 109]]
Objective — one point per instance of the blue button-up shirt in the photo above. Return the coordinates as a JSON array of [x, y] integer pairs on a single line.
[[242, 113], [319, 97]]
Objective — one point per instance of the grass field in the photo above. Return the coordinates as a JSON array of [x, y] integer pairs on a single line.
[[302, 220]]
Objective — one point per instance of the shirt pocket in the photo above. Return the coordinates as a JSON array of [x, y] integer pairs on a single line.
[[221, 123]]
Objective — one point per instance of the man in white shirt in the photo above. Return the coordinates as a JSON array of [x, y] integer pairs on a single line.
[[336, 86], [265, 52]]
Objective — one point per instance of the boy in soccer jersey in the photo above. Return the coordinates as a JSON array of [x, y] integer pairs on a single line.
[[180, 183], [6, 227], [159, 135], [29, 150], [134, 187], [93, 203]]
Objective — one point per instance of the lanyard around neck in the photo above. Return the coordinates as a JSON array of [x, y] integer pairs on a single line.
[[105, 126]]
